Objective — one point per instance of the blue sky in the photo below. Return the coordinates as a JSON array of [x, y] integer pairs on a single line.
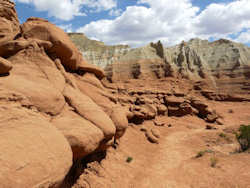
[[138, 22]]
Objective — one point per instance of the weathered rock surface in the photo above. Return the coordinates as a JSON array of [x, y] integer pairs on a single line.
[[97, 52], [33, 152], [119, 117], [152, 136], [54, 109], [83, 136], [5, 66], [63, 48], [224, 64], [89, 110], [9, 23], [138, 63]]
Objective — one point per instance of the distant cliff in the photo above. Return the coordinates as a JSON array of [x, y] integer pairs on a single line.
[[221, 62], [97, 52]]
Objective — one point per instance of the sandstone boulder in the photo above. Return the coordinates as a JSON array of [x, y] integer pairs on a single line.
[[5, 66], [63, 48], [92, 69], [156, 133], [174, 101], [11, 47], [83, 136], [173, 111], [212, 117], [38, 79], [92, 87], [151, 137], [119, 117], [201, 106], [33, 152], [162, 109], [6, 31], [89, 110], [9, 23], [147, 111], [186, 108]]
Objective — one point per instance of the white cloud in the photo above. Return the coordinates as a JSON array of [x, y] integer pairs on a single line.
[[244, 37], [139, 25], [100, 5], [68, 9], [224, 19], [115, 12], [25, 1], [67, 28], [171, 21]]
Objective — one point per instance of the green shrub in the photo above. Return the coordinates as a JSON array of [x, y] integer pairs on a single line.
[[243, 137], [213, 161], [201, 153], [223, 135], [129, 159]]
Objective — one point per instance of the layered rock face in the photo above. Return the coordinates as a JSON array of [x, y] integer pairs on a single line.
[[97, 52], [140, 63], [223, 63], [200, 58], [54, 109]]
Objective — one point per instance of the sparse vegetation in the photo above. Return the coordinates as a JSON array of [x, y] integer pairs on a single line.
[[230, 111], [243, 137], [222, 135], [213, 161], [201, 153], [129, 159]]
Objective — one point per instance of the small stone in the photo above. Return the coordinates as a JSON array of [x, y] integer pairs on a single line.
[[143, 129], [219, 122], [159, 123], [210, 127], [211, 118], [151, 137], [162, 109], [156, 133]]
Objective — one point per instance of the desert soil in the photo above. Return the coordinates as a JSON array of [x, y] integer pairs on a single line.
[[173, 163]]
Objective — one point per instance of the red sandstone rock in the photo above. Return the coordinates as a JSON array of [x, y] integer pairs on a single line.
[[5, 66], [33, 152], [119, 117], [83, 136], [63, 48]]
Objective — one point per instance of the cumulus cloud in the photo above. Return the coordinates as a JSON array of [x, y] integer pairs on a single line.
[[67, 28], [100, 5], [171, 21], [68, 9], [224, 19], [139, 24], [244, 37], [115, 12]]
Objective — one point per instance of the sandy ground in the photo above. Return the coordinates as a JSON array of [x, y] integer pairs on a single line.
[[172, 163]]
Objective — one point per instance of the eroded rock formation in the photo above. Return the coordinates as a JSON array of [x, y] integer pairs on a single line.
[[223, 64], [54, 108], [57, 109], [97, 52]]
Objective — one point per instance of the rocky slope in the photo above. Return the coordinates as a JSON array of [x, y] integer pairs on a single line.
[[97, 52], [223, 63], [59, 114], [54, 109]]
